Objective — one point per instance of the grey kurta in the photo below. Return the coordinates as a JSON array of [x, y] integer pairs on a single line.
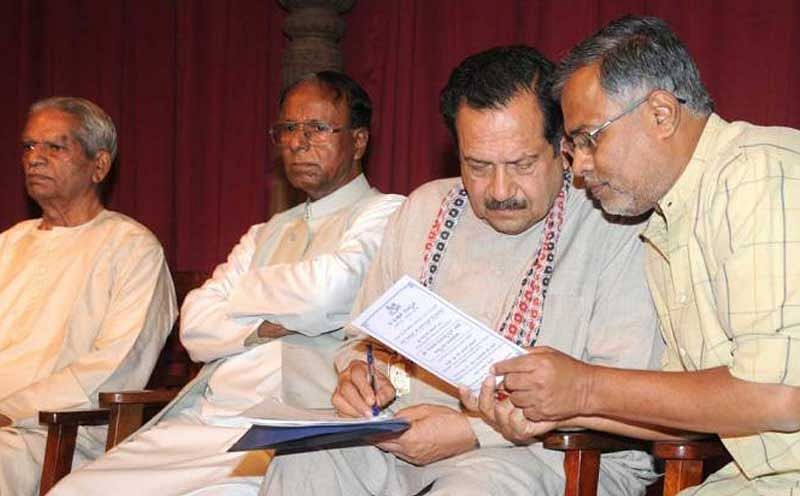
[[598, 309]]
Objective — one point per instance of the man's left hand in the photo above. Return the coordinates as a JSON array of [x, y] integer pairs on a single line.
[[436, 432], [272, 331], [547, 384], [5, 421], [502, 416]]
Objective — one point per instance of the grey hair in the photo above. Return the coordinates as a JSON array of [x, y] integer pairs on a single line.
[[636, 55], [95, 131]]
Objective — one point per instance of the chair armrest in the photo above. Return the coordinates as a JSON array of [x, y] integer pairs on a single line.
[[701, 448], [94, 416], [586, 439], [128, 410], [146, 397], [62, 433]]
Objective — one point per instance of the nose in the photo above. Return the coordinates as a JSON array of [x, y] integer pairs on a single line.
[[582, 162], [502, 185], [298, 141], [33, 156]]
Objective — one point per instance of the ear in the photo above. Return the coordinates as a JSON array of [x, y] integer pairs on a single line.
[[665, 110], [361, 137], [102, 164]]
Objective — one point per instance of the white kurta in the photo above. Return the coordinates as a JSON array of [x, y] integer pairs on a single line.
[[597, 309], [312, 295], [82, 309]]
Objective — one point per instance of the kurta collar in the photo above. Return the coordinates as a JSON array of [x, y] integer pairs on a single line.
[[679, 200], [343, 197], [67, 229]]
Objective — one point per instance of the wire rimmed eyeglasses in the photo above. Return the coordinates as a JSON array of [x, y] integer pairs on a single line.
[[314, 131], [586, 141]]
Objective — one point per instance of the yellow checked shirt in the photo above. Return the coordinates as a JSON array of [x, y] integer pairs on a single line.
[[723, 265]]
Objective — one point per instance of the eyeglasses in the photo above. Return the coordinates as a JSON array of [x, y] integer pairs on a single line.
[[586, 141], [316, 132]]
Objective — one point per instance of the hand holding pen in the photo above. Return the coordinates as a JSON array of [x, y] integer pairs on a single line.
[[362, 389]]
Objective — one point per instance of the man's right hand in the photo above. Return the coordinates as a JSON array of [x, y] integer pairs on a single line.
[[354, 397]]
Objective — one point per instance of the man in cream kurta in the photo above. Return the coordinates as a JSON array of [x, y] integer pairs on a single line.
[[85, 304], [476, 247], [298, 273]]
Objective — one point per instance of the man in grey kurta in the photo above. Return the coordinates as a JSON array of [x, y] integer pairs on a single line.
[[524, 227]]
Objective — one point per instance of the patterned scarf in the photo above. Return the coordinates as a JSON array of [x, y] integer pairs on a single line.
[[524, 321]]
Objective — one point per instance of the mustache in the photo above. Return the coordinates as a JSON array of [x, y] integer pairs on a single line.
[[508, 204]]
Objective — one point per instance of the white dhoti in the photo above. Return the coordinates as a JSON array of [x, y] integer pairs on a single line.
[[22, 453], [186, 452], [182, 455]]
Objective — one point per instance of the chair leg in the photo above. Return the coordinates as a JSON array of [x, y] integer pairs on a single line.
[[58, 454], [123, 421], [680, 474], [582, 468]]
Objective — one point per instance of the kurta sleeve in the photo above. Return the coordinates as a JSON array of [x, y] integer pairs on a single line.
[[134, 327], [315, 296], [311, 297], [383, 272], [208, 331]]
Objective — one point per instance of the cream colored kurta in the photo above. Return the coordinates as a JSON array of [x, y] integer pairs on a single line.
[[82, 309], [597, 309], [311, 295], [309, 291], [724, 269]]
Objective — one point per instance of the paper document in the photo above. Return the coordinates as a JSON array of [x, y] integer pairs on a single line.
[[434, 334], [277, 414]]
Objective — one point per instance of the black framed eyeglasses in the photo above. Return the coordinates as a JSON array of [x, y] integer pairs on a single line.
[[586, 141], [316, 132]]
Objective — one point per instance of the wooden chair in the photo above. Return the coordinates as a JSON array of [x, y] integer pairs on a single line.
[[124, 411], [685, 463]]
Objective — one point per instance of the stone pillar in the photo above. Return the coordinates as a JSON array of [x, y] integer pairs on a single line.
[[314, 28]]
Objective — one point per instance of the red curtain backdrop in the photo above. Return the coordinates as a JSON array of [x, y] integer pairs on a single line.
[[192, 86]]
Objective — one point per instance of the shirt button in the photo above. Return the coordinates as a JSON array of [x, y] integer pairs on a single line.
[[682, 298]]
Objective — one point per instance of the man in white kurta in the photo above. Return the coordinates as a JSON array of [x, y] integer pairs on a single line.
[[298, 273], [85, 306], [511, 225]]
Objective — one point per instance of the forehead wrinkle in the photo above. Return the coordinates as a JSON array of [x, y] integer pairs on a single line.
[[475, 159]]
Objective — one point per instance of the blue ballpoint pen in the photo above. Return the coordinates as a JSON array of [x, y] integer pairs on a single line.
[[371, 373]]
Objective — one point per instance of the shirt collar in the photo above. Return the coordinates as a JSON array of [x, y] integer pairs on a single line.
[[343, 197]]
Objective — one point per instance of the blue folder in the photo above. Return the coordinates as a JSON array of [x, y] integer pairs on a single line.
[[309, 437]]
